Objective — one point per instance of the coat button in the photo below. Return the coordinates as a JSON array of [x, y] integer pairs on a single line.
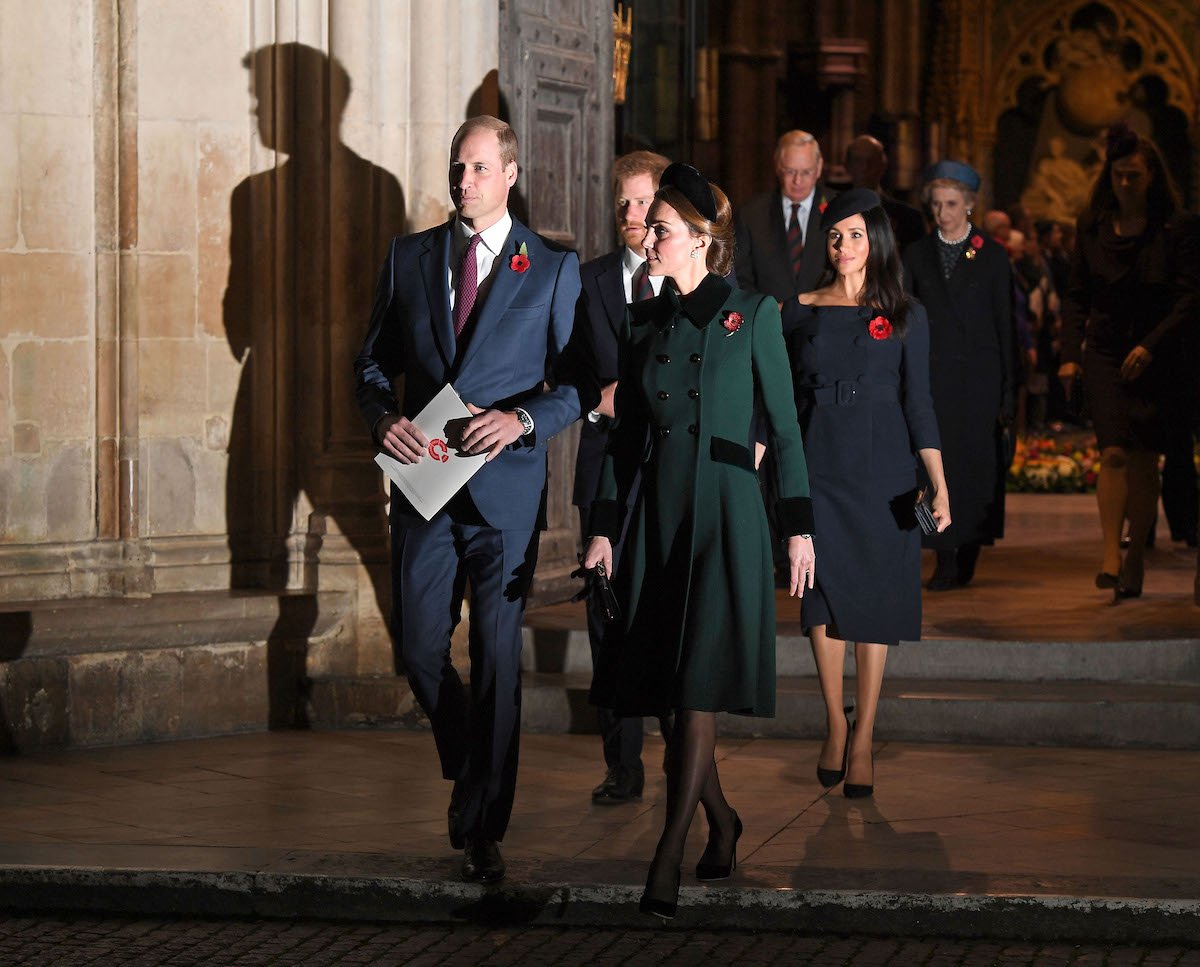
[[693, 394], [663, 394], [694, 357], [664, 431], [693, 429], [663, 358]]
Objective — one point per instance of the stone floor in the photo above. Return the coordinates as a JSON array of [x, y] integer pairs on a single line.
[[946, 821], [258, 819]]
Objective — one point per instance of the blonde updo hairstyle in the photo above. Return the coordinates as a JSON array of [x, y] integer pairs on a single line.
[[719, 229]]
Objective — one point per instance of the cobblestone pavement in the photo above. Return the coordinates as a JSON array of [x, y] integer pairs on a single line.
[[69, 941]]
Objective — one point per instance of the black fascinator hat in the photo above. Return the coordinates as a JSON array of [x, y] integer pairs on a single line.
[[852, 202], [693, 186]]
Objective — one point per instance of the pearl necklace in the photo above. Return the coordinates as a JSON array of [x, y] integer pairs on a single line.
[[956, 241]]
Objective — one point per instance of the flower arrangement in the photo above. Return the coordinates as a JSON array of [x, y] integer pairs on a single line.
[[1065, 464], [1048, 464]]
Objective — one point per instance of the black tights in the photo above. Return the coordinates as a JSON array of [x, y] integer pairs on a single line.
[[691, 780]]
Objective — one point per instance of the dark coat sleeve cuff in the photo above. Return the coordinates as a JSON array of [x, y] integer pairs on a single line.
[[605, 520], [795, 516]]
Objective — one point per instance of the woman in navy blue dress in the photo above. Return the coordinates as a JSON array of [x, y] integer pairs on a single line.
[[859, 350]]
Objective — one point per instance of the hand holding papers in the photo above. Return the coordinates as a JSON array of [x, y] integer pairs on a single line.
[[443, 469]]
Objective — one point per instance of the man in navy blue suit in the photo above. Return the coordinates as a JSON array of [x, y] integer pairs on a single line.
[[610, 282], [485, 304]]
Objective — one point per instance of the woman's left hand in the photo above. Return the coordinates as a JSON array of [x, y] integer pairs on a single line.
[[941, 509], [803, 560], [1135, 363]]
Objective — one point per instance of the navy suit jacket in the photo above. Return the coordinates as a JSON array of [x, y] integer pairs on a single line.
[[598, 318], [761, 258], [511, 348]]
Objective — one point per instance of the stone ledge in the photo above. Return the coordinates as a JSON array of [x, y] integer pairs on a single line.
[[73, 626], [399, 889]]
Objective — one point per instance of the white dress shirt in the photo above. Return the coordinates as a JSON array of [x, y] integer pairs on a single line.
[[631, 261], [491, 244], [802, 214]]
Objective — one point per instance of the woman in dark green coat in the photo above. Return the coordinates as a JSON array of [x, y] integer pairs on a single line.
[[695, 582]]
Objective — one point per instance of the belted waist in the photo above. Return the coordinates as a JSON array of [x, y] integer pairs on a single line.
[[847, 392]]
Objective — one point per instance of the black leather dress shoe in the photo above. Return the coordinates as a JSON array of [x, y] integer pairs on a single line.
[[620, 785], [482, 862]]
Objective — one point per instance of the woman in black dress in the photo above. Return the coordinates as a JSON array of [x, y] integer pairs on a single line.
[[964, 279], [859, 351], [1134, 293]]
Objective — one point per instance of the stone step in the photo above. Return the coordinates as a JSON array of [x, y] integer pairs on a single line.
[[969, 659], [170, 620], [1084, 714]]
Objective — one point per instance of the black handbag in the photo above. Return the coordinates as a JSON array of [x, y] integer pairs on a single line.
[[598, 587], [923, 508]]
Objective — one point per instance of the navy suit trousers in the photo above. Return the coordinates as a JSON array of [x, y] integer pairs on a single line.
[[477, 730]]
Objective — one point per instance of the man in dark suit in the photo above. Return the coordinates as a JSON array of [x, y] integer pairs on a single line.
[[483, 303], [610, 282], [866, 162], [779, 248]]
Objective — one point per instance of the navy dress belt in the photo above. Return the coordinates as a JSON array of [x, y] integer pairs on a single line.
[[847, 392]]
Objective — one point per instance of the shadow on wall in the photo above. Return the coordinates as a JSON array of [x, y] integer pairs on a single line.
[[307, 238]]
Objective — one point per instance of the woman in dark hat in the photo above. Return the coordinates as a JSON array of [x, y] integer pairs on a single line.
[[1134, 291], [964, 279], [695, 581], [859, 350]]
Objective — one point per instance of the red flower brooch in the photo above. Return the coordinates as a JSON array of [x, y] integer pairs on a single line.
[[821, 207], [520, 261], [976, 245], [879, 327], [732, 322]]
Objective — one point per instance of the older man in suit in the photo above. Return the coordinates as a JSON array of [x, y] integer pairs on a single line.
[[486, 305], [611, 282], [779, 250]]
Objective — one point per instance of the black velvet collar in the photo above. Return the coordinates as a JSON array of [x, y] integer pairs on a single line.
[[703, 303]]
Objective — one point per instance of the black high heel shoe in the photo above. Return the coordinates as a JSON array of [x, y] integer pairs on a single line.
[[656, 905], [1129, 583], [831, 777], [855, 790], [1104, 580], [706, 872]]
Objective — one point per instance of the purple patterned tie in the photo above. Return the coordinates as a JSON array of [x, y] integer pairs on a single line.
[[468, 287], [642, 289], [795, 239]]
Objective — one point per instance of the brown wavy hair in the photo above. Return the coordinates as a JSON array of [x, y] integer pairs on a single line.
[[720, 229]]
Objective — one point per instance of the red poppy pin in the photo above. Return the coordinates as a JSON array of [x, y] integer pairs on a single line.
[[520, 261], [821, 207], [879, 328], [976, 245], [732, 322]]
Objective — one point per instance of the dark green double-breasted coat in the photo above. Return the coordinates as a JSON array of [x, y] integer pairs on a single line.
[[696, 580]]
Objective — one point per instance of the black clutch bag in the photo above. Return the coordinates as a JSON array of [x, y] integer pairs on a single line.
[[599, 589], [923, 509]]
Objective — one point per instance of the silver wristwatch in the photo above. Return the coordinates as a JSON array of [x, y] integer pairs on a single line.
[[526, 421]]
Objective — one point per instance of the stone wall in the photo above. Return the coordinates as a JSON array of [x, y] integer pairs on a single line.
[[194, 201]]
